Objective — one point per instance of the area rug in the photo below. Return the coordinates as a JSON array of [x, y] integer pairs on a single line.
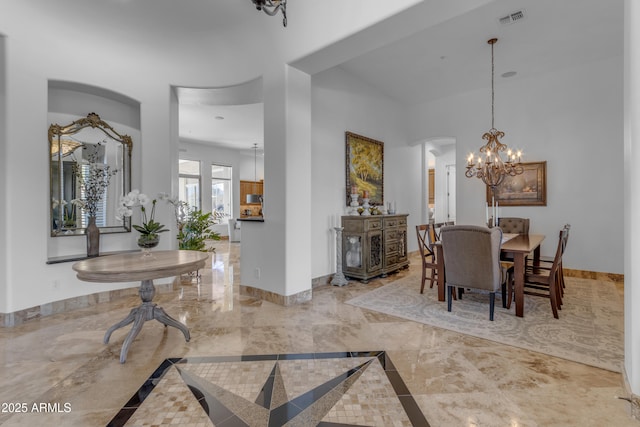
[[589, 330]]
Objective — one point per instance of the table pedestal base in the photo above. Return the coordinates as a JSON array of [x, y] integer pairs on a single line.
[[146, 311]]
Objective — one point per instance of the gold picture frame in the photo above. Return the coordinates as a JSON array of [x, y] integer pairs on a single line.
[[526, 189], [365, 168]]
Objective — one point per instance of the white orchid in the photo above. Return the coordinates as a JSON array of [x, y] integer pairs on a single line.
[[136, 198], [128, 201]]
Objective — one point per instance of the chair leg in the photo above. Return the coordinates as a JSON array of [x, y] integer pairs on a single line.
[[553, 297], [424, 274], [492, 304], [510, 291], [433, 278], [504, 294], [460, 292], [449, 297]]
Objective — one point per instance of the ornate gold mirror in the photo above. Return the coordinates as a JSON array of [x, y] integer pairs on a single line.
[[90, 169]]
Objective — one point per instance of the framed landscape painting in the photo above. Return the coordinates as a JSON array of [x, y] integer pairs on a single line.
[[365, 167], [526, 189]]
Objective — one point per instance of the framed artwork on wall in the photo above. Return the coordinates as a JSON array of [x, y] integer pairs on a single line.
[[365, 168], [526, 189]]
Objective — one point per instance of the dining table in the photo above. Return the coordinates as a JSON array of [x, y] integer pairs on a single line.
[[519, 246]]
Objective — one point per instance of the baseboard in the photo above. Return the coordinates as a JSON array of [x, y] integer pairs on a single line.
[[321, 281], [19, 317], [633, 399], [594, 275], [275, 298]]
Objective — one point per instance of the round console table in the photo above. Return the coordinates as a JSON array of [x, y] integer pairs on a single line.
[[134, 266]]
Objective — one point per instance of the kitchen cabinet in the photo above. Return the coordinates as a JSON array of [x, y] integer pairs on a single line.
[[250, 187]]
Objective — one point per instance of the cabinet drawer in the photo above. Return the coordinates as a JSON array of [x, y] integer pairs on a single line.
[[391, 235], [402, 222], [391, 260], [373, 224], [391, 248], [390, 222], [355, 226]]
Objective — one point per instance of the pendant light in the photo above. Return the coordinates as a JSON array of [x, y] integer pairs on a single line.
[[254, 198]]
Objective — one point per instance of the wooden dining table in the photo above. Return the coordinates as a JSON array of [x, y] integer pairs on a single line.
[[519, 246]]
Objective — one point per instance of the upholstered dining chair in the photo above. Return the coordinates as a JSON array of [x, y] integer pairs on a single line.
[[512, 225], [426, 239], [472, 261]]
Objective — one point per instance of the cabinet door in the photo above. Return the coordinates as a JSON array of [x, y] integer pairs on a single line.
[[245, 188], [402, 245], [374, 257], [352, 247]]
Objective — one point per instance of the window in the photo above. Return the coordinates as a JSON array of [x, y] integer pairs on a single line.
[[221, 191], [189, 182]]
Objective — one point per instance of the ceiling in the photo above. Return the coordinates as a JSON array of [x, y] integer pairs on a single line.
[[446, 59]]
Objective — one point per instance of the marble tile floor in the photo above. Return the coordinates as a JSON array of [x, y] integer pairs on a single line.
[[57, 371]]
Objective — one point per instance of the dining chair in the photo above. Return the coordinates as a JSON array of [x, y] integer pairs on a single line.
[[472, 261], [438, 226], [426, 239], [512, 225], [545, 282], [547, 262]]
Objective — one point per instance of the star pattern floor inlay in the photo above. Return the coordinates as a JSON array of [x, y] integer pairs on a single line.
[[317, 389]]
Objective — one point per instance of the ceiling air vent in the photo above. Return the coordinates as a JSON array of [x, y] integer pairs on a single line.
[[512, 17]]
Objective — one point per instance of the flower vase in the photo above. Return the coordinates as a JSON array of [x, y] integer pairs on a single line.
[[93, 238], [148, 241]]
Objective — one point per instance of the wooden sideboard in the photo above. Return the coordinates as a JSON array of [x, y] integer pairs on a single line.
[[373, 245]]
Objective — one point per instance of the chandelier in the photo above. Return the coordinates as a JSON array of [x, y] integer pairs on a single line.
[[489, 164], [271, 7]]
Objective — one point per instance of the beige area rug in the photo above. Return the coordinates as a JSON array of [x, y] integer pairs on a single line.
[[589, 331]]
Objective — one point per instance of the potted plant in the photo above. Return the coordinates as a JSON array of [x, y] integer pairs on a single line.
[[194, 226], [195, 230], [150, 228]]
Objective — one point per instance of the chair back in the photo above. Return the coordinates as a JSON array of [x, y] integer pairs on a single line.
[[557, 259], [514, 225], [472, 256], [438, 226], [567, 227], [422, 231]]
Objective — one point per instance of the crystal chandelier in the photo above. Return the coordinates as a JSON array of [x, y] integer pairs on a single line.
[[489, 164], [271, 7]]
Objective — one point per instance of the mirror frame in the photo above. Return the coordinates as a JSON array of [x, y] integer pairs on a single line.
[[55, 134]]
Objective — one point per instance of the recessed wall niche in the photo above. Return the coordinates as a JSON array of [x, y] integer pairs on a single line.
[[70, 101]]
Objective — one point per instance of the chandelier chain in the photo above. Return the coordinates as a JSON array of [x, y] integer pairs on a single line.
[[489, 165], [492, 88]]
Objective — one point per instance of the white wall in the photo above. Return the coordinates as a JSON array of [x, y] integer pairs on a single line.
[[119, 66], [342, 103], [573, 120], [632, 194], [27, 280]]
